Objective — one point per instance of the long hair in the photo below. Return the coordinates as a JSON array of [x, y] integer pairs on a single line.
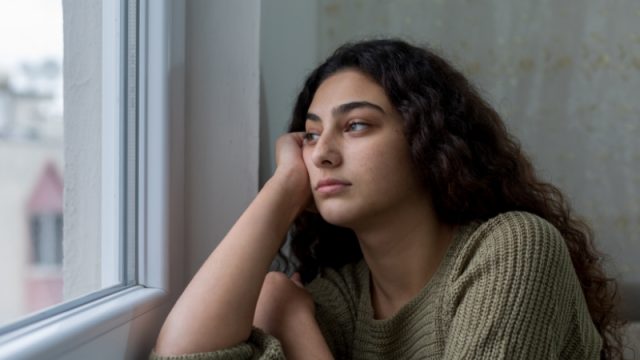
[[469, 163]]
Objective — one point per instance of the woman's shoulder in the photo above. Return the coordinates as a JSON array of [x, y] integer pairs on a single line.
[[515, 238], [514, 272], [516, 228], [520, 223]]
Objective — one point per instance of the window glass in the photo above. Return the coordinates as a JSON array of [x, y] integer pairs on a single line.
[[31, 156], [62, 141]]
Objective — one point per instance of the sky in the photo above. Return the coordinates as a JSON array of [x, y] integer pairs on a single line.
[[30, 30]]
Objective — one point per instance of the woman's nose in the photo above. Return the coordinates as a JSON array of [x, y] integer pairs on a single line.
[[326, 152]]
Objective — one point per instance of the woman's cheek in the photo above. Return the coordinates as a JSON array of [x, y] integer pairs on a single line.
[[306, 156], [306, 159]]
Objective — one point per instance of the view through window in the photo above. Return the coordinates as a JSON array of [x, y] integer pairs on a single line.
[[31, 156], [61, 154]]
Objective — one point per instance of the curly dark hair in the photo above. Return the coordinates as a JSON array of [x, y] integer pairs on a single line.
[[473, 168]]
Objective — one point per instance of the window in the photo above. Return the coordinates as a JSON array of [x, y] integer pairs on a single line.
[[31, 156], [46, 239], [74, 178], [126, 321], [67, 162]]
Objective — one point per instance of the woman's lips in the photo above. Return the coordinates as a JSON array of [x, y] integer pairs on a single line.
[[331, 186]]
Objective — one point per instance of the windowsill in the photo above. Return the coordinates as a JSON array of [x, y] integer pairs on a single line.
[[75, 327]]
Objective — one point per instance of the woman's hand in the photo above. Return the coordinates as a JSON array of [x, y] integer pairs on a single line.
[[291, 170], [289, 151], [283, 305], [286, 310]]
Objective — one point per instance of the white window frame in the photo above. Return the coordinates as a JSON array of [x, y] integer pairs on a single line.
[[111, 130], [91, 326]]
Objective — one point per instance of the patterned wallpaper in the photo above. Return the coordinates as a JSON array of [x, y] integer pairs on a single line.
[[565, 75]]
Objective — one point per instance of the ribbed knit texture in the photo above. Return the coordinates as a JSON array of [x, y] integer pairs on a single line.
[[260, 346], [506, 289]]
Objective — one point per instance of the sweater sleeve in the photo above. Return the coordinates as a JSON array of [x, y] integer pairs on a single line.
[[259, 346], [515, 295]]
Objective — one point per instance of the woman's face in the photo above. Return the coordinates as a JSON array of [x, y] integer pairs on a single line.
[[355, 151]]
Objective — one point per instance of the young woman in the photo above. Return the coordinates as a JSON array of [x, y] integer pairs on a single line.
[[419, 229]]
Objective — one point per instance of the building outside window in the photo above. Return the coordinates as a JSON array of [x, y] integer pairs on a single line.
[[64, 139], [31, 156], [82, 174]]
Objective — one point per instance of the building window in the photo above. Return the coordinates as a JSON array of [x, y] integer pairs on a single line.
[[46, 237]]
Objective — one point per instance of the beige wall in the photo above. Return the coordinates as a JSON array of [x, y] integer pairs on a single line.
[[565, 77], [222, 120]]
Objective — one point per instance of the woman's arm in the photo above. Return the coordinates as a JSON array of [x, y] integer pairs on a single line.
[[216, 309], [287, 311]]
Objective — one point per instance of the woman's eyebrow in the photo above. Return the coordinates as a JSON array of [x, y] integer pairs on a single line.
[[347, 107]]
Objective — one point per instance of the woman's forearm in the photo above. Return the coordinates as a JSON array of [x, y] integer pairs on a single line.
[[216, 309]]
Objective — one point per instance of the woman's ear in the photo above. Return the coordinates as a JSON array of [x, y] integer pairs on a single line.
[[297, 279]]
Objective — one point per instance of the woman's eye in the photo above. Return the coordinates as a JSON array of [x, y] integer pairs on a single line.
[[356, 126], [310, 136]]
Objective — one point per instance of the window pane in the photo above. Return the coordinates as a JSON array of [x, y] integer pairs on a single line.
[[62, 145], [31, 155]]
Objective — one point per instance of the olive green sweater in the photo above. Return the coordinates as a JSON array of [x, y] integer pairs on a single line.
[[506, 289]]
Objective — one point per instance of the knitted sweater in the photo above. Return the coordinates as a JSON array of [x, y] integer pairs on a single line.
[[506, 289]]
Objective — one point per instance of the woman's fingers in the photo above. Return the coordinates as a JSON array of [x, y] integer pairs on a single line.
[[289, 147], [291, 171], [297, 279]]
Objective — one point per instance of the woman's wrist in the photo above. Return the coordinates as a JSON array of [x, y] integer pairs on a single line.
[[293, 186]]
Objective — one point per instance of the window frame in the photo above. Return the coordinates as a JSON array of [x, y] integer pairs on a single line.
[[69, 326], [114, 140]]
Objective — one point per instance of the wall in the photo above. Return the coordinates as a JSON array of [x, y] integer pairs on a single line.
[[562, 74], [287, 54], [222, 127]]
